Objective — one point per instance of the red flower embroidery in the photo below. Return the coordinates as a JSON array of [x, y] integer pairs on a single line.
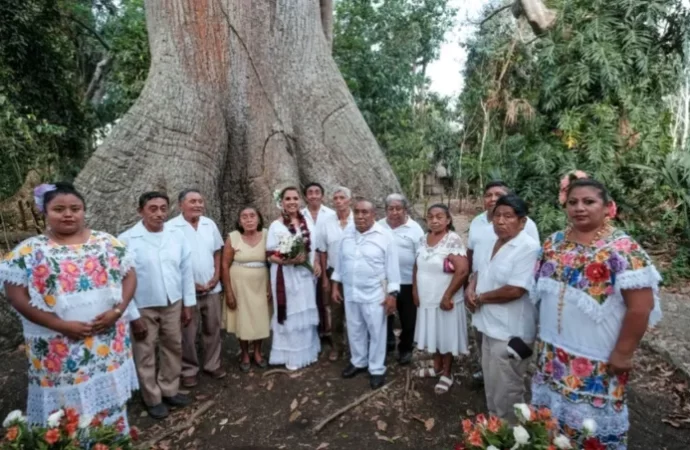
[[597, 272], [593, 444], [92, 265], [41, 271], [562, 355]]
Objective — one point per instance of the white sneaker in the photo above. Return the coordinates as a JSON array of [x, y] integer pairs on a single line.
[[291, 368]]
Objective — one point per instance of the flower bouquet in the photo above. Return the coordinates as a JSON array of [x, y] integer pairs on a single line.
[[66, 430], [290, 247], [537, 430]]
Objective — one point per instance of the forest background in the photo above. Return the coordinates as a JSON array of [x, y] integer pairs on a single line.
[[606, 90]]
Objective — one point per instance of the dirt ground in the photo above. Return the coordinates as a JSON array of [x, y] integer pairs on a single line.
[[279, 411]]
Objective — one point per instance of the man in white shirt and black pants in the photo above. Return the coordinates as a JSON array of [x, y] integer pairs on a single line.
[[408, 234], [315, 213], [164, 299], [482, 231], [205, 243], [368, 270]]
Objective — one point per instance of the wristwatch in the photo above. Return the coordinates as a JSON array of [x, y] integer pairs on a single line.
[[394, 294], [118, 311]]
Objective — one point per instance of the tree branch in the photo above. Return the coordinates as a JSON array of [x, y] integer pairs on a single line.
[[99, 74], [491, 16], [93, 32]]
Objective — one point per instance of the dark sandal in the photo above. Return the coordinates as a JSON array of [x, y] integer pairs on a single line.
[[245, 367], [261, 364]]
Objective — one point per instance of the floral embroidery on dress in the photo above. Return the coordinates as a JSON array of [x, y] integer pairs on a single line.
[[579, 379], [592, 270]]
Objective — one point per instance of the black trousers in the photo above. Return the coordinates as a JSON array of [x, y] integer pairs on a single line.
[[407, 312]]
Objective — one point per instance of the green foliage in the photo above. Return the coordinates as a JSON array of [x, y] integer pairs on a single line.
[[591, 95], [383, 49]]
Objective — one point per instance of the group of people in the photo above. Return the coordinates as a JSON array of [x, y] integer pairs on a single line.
[[104, 316]]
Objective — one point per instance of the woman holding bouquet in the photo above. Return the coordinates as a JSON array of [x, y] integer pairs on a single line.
[[597, 291], [71, 286], [295, 315]]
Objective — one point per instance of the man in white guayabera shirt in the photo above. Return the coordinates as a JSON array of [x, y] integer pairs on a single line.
[[329, 232], [482, 231], [205, 243], [164, 297], [368, 270], [314, 213], [408, 234]]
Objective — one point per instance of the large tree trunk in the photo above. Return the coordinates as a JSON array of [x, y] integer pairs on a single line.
[[242, 97]]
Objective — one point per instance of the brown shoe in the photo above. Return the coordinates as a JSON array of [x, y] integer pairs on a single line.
[[217, 374], [189, 382]]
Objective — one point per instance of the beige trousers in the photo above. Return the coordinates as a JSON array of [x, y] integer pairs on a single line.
[[207, 312], [164, 328], [504, 378]]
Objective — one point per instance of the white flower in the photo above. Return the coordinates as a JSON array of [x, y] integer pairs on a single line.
[[14, 416], [521, 435], [85, 421], [491, 447], [589, 426], [562, 442], [54, 419], [523, 412]]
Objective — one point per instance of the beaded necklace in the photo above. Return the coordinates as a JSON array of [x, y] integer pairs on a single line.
[[603, 231]]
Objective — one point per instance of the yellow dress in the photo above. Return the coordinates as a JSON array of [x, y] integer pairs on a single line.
[[249, 278]]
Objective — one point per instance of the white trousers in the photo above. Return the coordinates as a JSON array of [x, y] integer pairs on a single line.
[[366, 333]]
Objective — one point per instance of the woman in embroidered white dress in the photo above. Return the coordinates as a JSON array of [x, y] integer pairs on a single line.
[[597, 292], [71, 286], [440, 271], [295, 315]]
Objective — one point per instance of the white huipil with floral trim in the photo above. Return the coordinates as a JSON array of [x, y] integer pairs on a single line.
[[436, 329], [95, 375], [577, 337]]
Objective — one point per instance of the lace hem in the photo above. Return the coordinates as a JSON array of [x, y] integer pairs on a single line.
[[105, 391], [597, 312], [609, 422], [14, 276], [127, 263], [647, 277], [297, 321]]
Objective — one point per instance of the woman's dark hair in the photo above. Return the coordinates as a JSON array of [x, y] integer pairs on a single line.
[[62, 188], [446, 210], [313, 184], [259, 227], [285, 190], [496, 183], [591, 183], [148, 196], [513, 201]]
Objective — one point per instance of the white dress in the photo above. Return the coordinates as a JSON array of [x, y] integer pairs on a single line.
[[436, 329], [296, 341]]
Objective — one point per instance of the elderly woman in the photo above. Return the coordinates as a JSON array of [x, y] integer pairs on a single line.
[[408, 235], [71, 286], [597, 292], [247, 287], [295, 318], [503, 312], [439, 273]]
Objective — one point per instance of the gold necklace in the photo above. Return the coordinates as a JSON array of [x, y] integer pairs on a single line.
[[603, 231]]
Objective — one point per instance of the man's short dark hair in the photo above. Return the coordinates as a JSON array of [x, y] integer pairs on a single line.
[[183, 193], [518, 205], [313, 184], [148, 196], [496, 183]]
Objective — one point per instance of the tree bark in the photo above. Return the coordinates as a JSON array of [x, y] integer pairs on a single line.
[[540, 18], [242, 97], [326, 7]]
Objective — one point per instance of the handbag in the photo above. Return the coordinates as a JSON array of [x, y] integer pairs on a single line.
[[448, 266]]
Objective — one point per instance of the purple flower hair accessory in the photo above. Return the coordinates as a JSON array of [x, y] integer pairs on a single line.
[[39, 192]]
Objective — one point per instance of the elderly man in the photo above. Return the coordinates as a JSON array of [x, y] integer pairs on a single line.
[[367, 267], [205, 242], [329, 232], [481, 232], [165, 283], [408, 234]]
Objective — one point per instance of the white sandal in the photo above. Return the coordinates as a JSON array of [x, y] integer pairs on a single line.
[[443, 385], [427, 372]]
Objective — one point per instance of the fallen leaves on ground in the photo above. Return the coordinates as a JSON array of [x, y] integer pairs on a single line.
[[294, 405], [381, 425], [239, 421], [295, 415], [322, 446]]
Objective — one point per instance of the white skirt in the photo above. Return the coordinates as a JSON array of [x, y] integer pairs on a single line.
[[295, 348], [442, 331]]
